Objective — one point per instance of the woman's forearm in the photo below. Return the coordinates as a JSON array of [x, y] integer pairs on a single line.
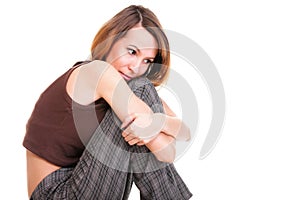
[[163, 147], [175, 127], [99, 79], [114, 89]]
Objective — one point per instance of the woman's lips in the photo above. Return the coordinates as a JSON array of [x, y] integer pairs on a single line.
[[125, 76]]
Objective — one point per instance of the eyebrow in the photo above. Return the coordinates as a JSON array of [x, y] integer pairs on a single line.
[[135, 47], [138, 50]]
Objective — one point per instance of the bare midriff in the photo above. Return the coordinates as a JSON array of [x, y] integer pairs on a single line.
[[37, 169]]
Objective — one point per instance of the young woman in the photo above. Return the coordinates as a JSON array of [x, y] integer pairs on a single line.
[[100, 126]]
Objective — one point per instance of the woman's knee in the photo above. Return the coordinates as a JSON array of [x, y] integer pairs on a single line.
[[145, 90], [140, 82]]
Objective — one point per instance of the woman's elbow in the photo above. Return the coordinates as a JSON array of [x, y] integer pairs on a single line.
[[188, 134], [166, 159], [185, 134], [167, 155]]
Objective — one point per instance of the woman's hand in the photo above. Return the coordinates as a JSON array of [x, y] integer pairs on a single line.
[[141, 128]]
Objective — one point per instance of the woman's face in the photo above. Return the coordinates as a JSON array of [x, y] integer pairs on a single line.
[[132, 54]]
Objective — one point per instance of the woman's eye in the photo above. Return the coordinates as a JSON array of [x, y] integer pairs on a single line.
[[147, 61], [131, 51]]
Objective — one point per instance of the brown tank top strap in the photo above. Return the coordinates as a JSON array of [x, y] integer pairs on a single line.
[[79, 63]]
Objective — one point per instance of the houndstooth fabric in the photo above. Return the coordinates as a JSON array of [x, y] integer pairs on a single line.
[[109, 166]]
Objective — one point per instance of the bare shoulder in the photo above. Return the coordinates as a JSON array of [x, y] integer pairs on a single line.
[[83, 81], [95, 65]]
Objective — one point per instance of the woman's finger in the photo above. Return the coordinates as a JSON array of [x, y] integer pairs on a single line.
[[140, 143], [129, 137], [133, 141], [125, 133], [128, 120], [129, 130]]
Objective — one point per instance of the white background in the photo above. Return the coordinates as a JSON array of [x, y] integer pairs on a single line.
[[255, 46]]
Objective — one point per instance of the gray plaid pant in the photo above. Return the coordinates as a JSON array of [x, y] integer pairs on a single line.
[[109, 166]]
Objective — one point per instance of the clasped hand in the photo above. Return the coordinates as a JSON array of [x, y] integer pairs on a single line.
[[141, 128]]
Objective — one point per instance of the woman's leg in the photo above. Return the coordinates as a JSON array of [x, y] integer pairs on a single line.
[[109, 165], [155, 179], [92, 177], [101, 173]]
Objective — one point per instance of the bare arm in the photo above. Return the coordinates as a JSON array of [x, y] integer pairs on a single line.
[[163, 146], [98, 79], [174, 126], [168, 124]]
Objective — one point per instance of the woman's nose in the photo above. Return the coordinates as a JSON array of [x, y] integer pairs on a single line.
[[134, 67]]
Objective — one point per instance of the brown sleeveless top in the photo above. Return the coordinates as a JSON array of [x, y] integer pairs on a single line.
[[59, 128]]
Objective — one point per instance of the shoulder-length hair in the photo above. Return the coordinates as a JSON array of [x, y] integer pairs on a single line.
[[117, 27]]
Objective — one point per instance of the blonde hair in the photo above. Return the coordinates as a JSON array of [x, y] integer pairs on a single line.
[[117, 27]]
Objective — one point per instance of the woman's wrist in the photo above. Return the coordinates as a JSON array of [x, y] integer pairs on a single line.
[[174, 127], [171, 126], [163, 147]]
